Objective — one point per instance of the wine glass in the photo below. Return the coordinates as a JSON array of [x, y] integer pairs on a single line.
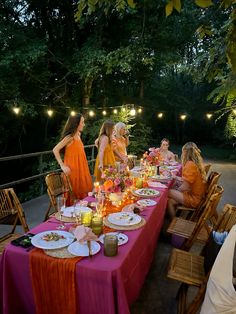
[[61, 201]]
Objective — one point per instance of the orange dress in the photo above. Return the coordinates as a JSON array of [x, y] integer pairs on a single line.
[[80, 177], [119, 143], [108, 160], [192, 175]]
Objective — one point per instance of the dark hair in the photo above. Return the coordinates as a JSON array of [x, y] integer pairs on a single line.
[[71, 125], [106, 129], [165, 140]]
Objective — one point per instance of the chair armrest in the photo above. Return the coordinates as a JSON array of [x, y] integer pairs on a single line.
[[185, 208]]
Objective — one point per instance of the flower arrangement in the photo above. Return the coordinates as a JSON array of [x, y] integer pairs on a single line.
[[153, 156], [116, 181]]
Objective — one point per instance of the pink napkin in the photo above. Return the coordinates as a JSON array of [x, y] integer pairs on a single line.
[[130, 208], [156, 185], [83, 233]]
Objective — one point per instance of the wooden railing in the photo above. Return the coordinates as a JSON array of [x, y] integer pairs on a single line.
[[41, 173]]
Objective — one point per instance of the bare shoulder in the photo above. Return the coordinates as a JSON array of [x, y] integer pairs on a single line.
[[104, 139]]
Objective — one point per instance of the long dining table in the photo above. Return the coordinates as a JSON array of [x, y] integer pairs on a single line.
[[106, 285]]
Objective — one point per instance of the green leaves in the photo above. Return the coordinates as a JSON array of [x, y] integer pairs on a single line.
[[204, 3], [173, 4]]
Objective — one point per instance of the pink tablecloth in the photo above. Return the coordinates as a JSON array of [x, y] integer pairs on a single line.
[[104, 284]]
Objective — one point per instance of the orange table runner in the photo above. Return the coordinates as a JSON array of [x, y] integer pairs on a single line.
[[54, 283]]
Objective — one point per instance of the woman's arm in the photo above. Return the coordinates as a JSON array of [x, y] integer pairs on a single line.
[[185, 186], [56, 151], [102, 146]]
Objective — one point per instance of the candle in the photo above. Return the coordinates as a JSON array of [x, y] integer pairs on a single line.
[[96, 187]]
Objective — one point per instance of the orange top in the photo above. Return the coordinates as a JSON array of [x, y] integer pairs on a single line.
[[80, 176], [119, 143], [192, 175], [108, 160]]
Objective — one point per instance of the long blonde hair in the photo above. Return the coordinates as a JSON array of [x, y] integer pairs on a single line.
[[190, 152], [118, 126], [106, 129]]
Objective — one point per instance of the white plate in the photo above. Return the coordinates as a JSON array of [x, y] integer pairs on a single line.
[[122, 238], [79, 249], [160, 178], [146, 202], [37, 240], [124, 219], [145, 192], [69, 211]]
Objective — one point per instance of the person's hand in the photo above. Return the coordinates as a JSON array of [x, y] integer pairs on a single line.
[[65, 169], [100, 167], [125, 159]]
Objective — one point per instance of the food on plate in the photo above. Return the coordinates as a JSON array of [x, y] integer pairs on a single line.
[[147, 192], [52, 236]]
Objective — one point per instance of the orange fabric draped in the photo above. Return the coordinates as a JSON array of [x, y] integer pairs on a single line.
[[192, 175], [80, 177], [108, 160], [54, 283]]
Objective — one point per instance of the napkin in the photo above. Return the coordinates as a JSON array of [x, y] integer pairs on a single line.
[[83, 233]]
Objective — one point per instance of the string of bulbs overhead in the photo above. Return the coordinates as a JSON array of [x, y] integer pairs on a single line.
[[131, 110]]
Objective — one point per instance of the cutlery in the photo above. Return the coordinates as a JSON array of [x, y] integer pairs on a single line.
[[89, 248]]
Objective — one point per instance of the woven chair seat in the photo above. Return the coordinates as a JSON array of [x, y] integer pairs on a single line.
[[186, 267], [7, 239], [184, 228]]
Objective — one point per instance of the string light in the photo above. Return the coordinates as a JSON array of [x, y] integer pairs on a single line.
[[104, 112], [133, 112], [234, 112], [16, 110], [209, 115], [50, 112], [139, 110], [115, 111], [183, 116], [160, 115], [91, 113], [123, 109], [72, 113]]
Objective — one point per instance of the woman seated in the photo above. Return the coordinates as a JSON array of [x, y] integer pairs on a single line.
[[120, 141], [192, 189], [105, 156], [164, 150]]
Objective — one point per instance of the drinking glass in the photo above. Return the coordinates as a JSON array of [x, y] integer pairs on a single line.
[[86, 218], [110, 245], [61, 201]]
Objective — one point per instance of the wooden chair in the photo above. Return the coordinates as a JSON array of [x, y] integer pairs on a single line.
[[196, 230], [188, 268], [207, 168], [11, 213], [57, 184]]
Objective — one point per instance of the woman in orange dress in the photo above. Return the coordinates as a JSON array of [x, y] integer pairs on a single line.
[[75, 163], [120, 141], [193, 187], [105, 156]]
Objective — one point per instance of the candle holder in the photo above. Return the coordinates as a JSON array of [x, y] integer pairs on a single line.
[[97, 225], [110, 245], [86, 218]]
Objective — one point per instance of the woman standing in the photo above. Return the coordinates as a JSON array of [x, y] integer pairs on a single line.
[[164, 151], [105, 155], [120, 141], [75, 163], [193, 187]]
